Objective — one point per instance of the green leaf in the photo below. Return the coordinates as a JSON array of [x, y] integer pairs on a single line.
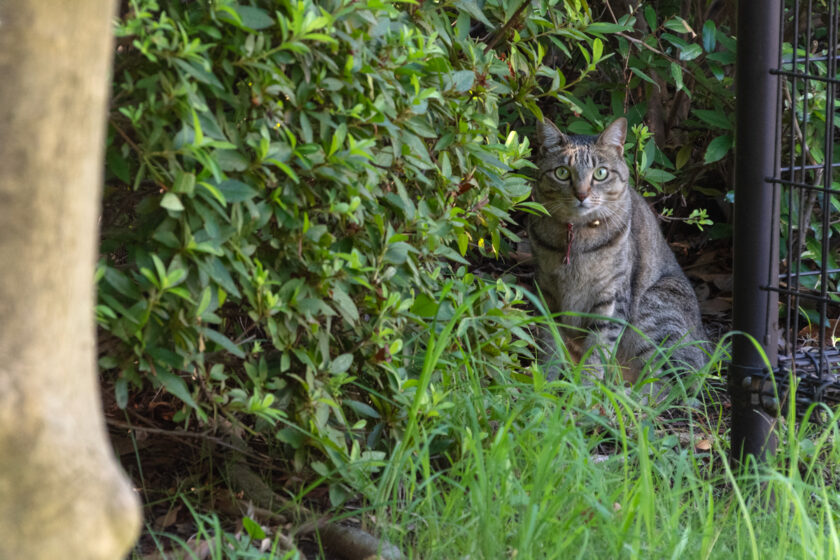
[[341, 363], [424, 306], [231, 160], [204, 303], [683, 155], [691, 52], [644, 76], [345, 305], [471, 7], [338, 494], [676, 74], [650, 17], [121, 392], [460, 81], [716, 70], [678, 25], [167, 239], [322, 37], [121, 283], [254, 18], [245, 16], [678, 42], [659, 176], [217, 194], [604, 27], [361, 408], [253, 529], [236, 191], [534, 208], [217, 270], [718, 148], [415, 146], [397, 253], [175, 385], [182, 293], [198, 135], [709, 39], [150, 276], [293, 436], [107, 362], [184, 183], [160, 268], [227, 13], [198, 73], [170, 201], [175, 276], [223, 341], [285, 169], [338, 138], [597, 50], [716, 118], [118, 166]]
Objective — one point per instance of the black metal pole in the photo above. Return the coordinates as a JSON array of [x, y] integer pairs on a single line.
[[756, 225]]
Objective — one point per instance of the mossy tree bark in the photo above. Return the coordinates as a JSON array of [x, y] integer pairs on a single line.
[[62, 494]]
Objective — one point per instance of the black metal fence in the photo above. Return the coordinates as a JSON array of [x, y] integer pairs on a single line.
[[787, 216]]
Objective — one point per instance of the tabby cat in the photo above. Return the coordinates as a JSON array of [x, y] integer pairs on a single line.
[[601, 252]]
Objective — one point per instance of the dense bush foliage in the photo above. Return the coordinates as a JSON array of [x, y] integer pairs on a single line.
[[294, 188]]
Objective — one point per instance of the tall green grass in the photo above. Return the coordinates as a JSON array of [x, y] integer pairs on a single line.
[[519, 467], [574, 470]]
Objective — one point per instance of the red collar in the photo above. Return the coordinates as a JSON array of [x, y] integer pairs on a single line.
[[570, 236]]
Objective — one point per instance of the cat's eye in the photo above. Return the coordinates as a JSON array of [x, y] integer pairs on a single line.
[[562, 173], [601, 173]]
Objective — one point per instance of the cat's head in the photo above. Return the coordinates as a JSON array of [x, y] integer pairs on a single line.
[[581, 178]]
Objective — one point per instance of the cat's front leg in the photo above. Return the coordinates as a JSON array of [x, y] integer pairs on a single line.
[[605, 331]]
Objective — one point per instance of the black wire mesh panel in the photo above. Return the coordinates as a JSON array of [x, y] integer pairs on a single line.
[[808, 148]]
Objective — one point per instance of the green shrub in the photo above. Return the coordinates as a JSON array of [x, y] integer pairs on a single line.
[[289, 187], [293, 190]]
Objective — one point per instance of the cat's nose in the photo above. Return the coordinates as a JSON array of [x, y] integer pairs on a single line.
[[581, 195]]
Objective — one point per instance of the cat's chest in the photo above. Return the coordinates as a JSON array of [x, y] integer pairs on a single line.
[[574, 282], [576, 269]]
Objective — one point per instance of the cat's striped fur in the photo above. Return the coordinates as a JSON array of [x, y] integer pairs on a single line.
[[601, 252]]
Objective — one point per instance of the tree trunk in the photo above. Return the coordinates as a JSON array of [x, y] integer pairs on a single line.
[[62, 494]]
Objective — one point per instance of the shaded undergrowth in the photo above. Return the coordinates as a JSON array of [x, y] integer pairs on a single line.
[[514, 466]]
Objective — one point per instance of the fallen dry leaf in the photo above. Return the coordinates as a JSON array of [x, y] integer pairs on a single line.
[[716, 306], [721, 281], [704, 259], [167, 519], [810, 334]]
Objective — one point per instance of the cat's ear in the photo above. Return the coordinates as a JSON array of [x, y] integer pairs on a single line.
[[614, 135], [548, 135]]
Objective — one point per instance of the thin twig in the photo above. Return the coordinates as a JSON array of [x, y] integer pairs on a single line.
[[508, 24], [607, 2], [126, 137], [182, 434], [140, 153], [645, 45]]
